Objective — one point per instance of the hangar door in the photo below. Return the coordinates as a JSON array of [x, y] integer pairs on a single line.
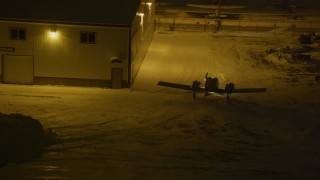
[[18, 69]]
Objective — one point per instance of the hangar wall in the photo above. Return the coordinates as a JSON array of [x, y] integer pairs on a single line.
[[142, 31], [63, 58]]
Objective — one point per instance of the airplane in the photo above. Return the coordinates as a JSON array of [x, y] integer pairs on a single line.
[[216, 7], [211, 86], [213, 11], [198, 10], [228, 11]]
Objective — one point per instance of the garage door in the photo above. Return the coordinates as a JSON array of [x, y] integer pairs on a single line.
[[18, 69]]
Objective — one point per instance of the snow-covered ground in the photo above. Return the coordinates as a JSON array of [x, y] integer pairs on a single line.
[[151, 132]]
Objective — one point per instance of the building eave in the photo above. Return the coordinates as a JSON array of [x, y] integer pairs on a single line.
[[65, 22]]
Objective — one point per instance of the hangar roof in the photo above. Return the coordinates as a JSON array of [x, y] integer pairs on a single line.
[[106, 12]]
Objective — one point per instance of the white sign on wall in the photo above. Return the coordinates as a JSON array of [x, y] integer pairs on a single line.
[[7, 49]]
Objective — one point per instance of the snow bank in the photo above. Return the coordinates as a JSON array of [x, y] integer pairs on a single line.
[[22, 138]]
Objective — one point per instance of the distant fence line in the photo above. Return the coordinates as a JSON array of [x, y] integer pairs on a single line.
[[207, 25]]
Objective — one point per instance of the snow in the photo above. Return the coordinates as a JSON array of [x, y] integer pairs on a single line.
[[152, 132]]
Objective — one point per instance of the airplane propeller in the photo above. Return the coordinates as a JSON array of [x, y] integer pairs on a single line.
[[195, 87], [229, 89]]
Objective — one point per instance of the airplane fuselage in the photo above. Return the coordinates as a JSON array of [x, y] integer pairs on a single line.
[[211, 84]]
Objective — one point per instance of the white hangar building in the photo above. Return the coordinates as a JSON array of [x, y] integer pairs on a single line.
[[82, 43]]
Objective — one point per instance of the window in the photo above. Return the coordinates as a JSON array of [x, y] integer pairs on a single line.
[[88, 37], [18, 34]]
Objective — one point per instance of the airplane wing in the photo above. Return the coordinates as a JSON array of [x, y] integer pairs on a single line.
[[199, 12], [219, 91], [195, 87], [209, 6], [174, 85], [249, 90]]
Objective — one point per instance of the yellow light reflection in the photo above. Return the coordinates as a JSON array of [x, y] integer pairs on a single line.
[[53, 34], [141, 15], [53, 31], [149, 4]]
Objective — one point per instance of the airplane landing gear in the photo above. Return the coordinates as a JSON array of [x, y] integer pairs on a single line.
[[228, 97]]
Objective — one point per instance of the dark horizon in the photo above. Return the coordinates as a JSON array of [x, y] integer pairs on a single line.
[[307, 7], [308, 3]]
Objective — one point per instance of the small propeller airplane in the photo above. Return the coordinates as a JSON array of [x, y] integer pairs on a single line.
[[211, 85]]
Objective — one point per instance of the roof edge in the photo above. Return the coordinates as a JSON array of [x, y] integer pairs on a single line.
[[64, 22]]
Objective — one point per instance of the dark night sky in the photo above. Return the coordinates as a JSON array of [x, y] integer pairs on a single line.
[[258, 3], [92, 11], [111, 11], [263, 6]]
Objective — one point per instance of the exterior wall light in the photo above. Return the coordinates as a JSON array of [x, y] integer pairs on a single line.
[[116, 60], [53, 32], [149, 4], [141, 16]]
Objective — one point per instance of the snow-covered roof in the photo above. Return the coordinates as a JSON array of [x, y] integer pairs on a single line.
[[111, 12]]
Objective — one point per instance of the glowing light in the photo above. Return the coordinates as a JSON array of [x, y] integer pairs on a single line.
[[149, 4], [53, 34], [141, 15]]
